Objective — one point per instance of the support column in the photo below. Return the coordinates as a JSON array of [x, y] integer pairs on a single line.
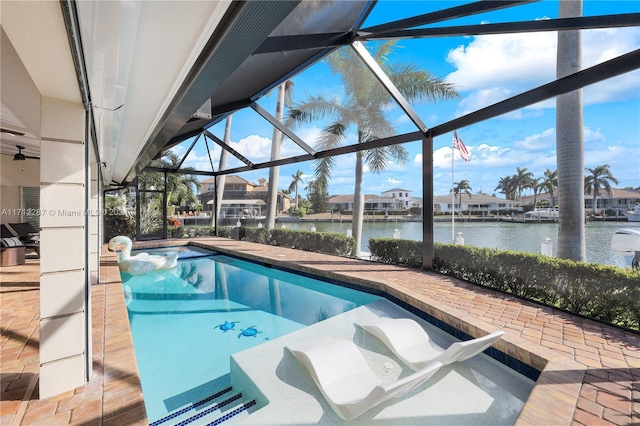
[[427, 203], [63, 248], [94, 219]]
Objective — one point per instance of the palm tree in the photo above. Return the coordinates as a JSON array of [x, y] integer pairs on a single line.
[[284, 99], [507, 186], [181, 189], [522, 180], [570, 142], [220, 180], [364, 109], [536, 186], [460, 188], [297, 179], [550, 183], [598, 179]]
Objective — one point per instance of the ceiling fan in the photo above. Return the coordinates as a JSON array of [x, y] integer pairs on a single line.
[[20, 156]]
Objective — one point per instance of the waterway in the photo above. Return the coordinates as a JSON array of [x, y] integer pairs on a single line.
[[526, 237]]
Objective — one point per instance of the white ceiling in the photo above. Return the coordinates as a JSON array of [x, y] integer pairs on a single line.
[[38, 39], [137, 55]]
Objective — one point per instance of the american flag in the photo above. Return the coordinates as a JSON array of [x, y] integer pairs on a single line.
[[460, 146]]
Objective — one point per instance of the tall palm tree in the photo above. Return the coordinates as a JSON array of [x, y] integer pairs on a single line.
[[550, 183], [507, 186], [460, 188], [221, 180], [284, 99], [364, 108], [297, 179], [599, 178], [522, 180], [535, 185], [570, 142]]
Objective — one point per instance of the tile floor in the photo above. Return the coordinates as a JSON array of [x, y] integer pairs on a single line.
[[590, 371]]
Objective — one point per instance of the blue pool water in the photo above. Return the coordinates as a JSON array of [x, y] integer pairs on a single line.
[[186, 322]]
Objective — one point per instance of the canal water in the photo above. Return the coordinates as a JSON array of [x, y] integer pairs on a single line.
[[526, 237]]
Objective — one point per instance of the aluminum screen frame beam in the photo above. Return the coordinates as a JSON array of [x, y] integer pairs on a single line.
[[562, 24], [445, 14], [284, 129], [427, 200], [228, 149], [606, 70], [386, 82], [184, 157], [612, 68]]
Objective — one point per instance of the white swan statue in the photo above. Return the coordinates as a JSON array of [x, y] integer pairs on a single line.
[[142, 262]]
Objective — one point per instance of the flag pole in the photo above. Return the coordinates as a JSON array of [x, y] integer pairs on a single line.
[[453, 205]]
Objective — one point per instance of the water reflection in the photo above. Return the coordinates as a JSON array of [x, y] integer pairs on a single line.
[[500, 235]]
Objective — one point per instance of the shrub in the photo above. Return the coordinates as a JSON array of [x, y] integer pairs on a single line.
[[119, 224], [321, 242], [396, 251], [257, 235], [602, 292], [199, 231]]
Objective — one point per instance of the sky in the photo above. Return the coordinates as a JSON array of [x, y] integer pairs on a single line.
[[484, 70]]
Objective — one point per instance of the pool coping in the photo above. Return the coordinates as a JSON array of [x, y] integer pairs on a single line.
[[553, 399]]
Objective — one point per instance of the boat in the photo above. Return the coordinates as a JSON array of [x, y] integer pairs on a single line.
[[626, 245], [634, 215], [547, 213]]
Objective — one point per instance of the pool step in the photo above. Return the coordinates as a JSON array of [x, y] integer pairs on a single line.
[[216, 409]]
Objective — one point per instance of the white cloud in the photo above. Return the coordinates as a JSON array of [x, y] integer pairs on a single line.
[[537, 142], [505, 60], [482, 98], [492, 67], [593, 136], [392, 181]]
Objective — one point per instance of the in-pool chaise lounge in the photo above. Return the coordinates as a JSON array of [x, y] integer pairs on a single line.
[[408, 340], [345, 379]]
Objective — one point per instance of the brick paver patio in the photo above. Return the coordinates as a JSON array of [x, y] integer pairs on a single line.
[[590, 371]]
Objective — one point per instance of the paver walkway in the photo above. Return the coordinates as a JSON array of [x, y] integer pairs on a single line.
[[113, 395], [591, 371]]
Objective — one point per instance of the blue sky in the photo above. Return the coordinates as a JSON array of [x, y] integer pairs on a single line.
[[485, 70]]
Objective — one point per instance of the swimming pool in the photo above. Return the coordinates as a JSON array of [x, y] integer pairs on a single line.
[[212, 333], [186, 322]]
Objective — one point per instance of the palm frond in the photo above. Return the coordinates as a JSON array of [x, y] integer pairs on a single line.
[[376, 159], [322, 169]]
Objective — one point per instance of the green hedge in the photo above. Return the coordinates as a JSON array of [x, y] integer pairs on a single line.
[[320, 242], [602, 292], [396, 251]]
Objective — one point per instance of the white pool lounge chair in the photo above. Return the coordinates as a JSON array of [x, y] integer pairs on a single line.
[[408, 340], [346, 381]]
